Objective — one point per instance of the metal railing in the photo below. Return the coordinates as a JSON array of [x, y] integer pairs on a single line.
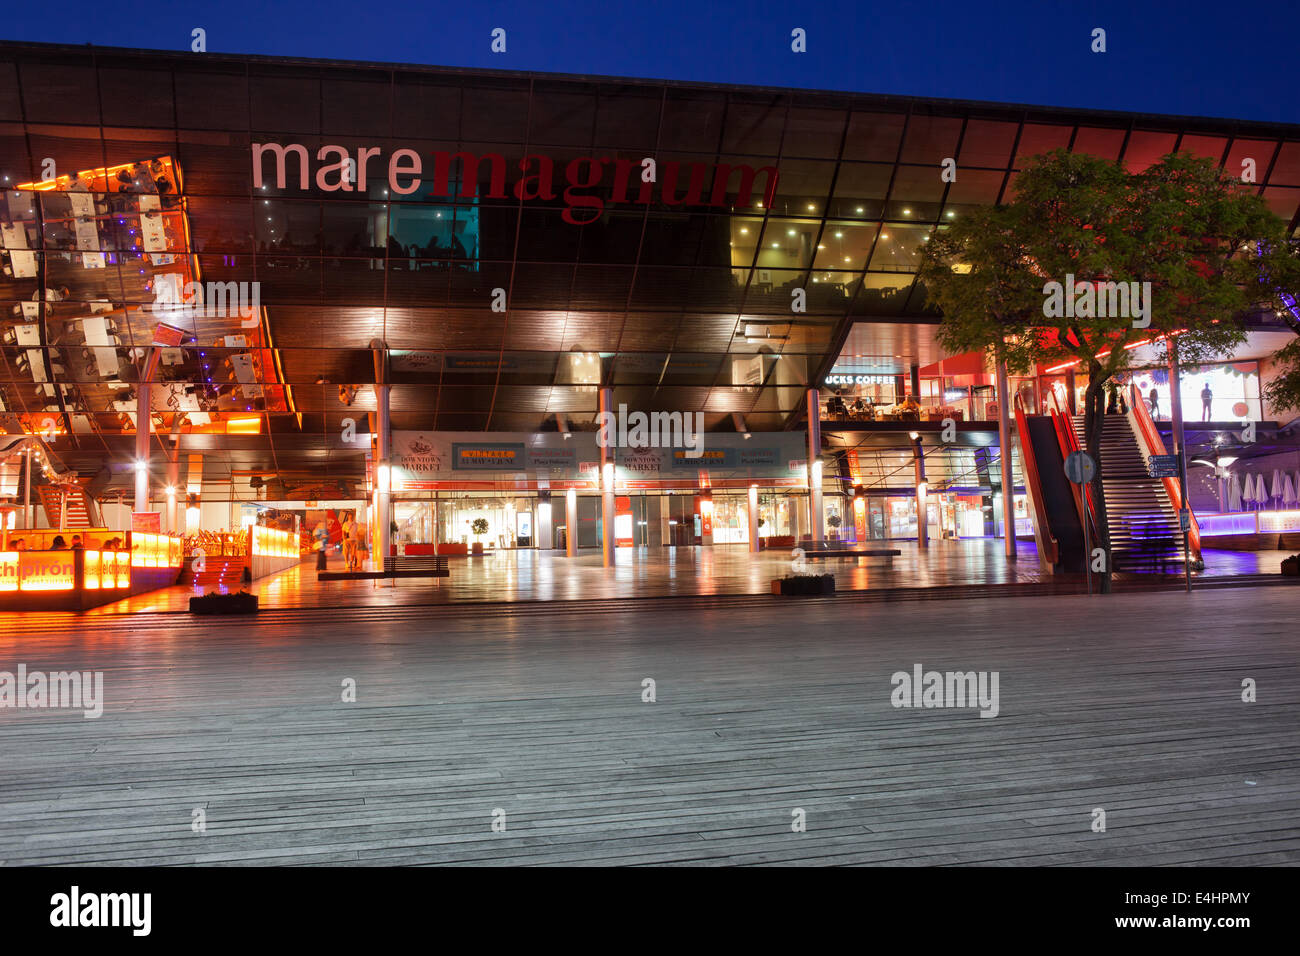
[[1068, 439], [1155, 446], [1033, 485]]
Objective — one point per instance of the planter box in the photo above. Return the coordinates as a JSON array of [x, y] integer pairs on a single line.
[[240, 603], [804, 584], [1291, 566], [478, 547]]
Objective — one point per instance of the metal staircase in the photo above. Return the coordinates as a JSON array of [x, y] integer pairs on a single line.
[[1144, 532], [81, 510]]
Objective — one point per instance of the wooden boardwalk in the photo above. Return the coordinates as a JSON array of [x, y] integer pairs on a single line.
[[1129, 703]]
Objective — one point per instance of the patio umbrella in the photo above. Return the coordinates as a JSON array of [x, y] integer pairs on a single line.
[[1248, 493], [1261, 491], [1277, 486], [1234, 493], [1288, 491]]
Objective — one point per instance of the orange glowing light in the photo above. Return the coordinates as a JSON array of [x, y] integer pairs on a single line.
[[244, 426]]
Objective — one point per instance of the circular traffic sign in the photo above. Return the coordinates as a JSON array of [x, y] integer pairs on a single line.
[[1079, 467]]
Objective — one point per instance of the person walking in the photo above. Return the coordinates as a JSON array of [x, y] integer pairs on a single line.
[[1154, 398], [359, 543], [349, 543], [1207, 399]]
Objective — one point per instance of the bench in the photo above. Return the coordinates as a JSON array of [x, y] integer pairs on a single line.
[[398, 567], [887, 553]]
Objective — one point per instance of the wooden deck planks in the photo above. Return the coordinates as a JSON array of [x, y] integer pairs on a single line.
[[1130, 703]]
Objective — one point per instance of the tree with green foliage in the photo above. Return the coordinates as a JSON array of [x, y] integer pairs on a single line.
[[1283, 392], [479, 527], [1048, 278]]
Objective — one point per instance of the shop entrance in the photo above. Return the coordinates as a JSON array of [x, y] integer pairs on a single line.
[[460, 520]]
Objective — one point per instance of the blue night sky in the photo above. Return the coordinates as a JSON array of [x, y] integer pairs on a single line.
[[1192, 57]]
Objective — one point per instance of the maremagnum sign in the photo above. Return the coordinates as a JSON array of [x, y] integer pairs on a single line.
[[621, 180]]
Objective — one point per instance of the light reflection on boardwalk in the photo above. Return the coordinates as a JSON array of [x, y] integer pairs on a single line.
[[543, 576], [1130, 703]]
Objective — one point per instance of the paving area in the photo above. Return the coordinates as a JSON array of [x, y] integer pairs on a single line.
[[663, 572], [534, 716]]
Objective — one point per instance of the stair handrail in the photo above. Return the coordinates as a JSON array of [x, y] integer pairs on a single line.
[[1033, 485], [1068, 439], [1155, 445]]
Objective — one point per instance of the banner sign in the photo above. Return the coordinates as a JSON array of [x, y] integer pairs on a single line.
[[146, 521], [487, 457], [423, 460], [765, 458], [563, 458]]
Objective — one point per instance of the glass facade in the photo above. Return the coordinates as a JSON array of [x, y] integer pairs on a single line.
[[535, 257]]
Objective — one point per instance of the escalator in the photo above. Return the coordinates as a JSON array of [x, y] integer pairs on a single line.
[[1143, 511], [1052, 499]]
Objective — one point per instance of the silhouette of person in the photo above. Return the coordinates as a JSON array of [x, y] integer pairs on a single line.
[[1207, 399]]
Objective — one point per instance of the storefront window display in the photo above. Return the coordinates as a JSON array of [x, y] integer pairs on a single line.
[[730, 519], [1217, 393]]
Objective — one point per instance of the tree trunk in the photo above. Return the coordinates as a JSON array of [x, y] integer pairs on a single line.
[[1094, 423]]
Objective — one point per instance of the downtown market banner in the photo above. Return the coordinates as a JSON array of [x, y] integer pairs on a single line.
[[522, 461]]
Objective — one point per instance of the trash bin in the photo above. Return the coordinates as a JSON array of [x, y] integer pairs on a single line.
[[320, 561]]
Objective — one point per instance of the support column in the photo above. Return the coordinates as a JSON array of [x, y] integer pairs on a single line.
[[1176, 412], [571, 523], [545, 534], [143, 426], [814, 467], [922, 515], [143, 422], [383, 518], [1004, 443], [194, 492], [753, 519], [27, 487], [1070, 390], [436, 529], [1180, 449], [173, 479], [607, 486], [915, 381]]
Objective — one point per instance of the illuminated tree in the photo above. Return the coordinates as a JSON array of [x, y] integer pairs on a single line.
[[479, 527], [1210, 249]]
